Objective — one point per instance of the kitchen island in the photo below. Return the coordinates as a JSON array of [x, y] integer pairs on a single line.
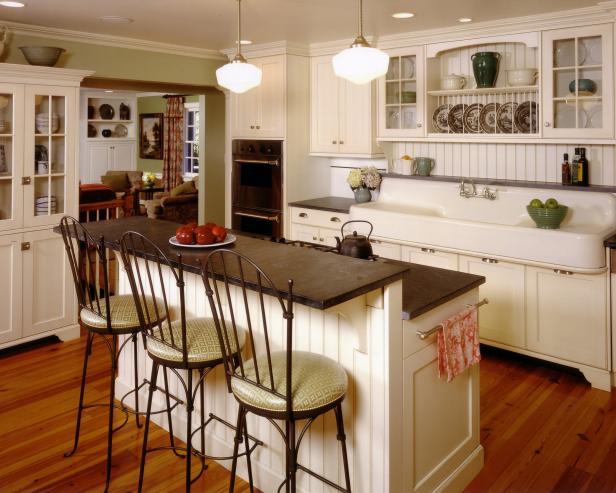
[[406, 429]]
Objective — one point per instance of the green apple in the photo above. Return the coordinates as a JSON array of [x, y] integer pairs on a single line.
[[551, 203], [536, 204]]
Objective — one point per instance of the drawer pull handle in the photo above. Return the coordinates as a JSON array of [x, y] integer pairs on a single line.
[[376, 242], [489, 260], [334, 142], [563, 272], [335, 219], [428, 250], [273, 219], [303, 214]]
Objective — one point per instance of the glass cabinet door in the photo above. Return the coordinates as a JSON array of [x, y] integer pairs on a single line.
[[401, 95], [48, 164], [11, 156], [578, 82]]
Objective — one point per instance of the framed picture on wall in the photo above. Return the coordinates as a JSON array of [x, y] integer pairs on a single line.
[[151, 135]]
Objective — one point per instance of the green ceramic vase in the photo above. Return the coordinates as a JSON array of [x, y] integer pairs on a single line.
[[485, 68], [362, 195]]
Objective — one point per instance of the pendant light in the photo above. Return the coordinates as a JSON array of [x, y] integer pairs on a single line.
[[238, 75], [360, 63]]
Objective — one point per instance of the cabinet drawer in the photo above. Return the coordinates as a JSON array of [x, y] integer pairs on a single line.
[[322, 219], [430, 257], [386, 250]]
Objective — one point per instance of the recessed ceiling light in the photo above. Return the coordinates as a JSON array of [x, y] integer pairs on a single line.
[[115, 19], [15, 5], [403, 15], [465, 19], [245, 42]]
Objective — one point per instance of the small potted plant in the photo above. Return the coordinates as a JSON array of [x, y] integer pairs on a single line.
[[362, 181], [149, 180]]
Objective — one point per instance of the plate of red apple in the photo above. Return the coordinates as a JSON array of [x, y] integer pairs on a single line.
[[208, 235]]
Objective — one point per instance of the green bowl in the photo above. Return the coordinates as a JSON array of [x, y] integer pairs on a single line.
[[409, 97], [547, 218]]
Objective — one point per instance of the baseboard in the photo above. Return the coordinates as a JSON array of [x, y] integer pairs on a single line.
[[64, 334], [461, 477]]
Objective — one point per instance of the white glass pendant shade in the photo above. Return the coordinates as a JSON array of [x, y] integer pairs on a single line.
[[360, 64], [239, 76]]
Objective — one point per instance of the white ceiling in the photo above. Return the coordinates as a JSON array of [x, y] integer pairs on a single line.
[[211, 23]]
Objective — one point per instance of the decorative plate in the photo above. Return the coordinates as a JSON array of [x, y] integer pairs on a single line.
[[595, 117], [439, 118], [487, 118], [504, 117], [564, 55], [120, 130], [471, 118], [92, 132], [565, 117], [227, 241], [408, 73], [455, 118], [525, 117], [106, 111]]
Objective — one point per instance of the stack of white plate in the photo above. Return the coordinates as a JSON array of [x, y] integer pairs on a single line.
[[42, 123], [46, 204], [4, 127]]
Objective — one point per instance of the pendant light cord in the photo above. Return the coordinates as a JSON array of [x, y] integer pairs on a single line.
[[360, 22], [239, 27]]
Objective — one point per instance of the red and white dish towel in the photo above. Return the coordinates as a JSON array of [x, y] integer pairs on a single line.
[[458, 344]]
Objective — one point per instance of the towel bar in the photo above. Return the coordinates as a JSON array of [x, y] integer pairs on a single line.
[[423, 334]]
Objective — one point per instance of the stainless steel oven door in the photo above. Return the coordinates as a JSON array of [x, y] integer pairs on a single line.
[[259, 222]]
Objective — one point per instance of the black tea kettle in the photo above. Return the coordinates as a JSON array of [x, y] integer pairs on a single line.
[[354, 245]]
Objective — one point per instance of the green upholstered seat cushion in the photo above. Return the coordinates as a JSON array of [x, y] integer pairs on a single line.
[[184, 188], [316, 382], [124, 315], [201, 338], [117, 182]]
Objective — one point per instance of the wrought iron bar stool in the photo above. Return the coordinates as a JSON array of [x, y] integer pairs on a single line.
[[175, 345], [107, 316], [259, 384]]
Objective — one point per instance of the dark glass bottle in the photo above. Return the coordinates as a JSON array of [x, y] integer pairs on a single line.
[[574, 166], [566, 170], [583, 178]]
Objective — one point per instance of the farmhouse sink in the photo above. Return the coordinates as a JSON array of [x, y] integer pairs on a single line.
[[433, 213]]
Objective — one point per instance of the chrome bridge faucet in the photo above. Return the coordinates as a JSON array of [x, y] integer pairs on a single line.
[[486, 193]]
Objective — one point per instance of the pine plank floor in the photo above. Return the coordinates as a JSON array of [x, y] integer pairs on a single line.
[[543, 429]]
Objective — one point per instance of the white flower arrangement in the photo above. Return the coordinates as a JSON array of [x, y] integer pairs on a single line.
[[369, 178]]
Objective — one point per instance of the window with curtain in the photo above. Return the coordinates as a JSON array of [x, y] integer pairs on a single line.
[[191, 139]]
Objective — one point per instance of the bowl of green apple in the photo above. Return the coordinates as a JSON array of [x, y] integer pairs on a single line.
[[548, 215]]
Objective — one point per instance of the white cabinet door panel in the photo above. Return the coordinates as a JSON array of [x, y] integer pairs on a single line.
[[271, 99], [386, 250], [355, 118], [100, 161], [430, 257], [324, 106], [124, 156], [10, 287]]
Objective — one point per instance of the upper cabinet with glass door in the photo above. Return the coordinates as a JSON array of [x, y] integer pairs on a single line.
[[578, 82], [400, 94]]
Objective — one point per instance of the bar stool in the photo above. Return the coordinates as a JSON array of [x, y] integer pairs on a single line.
[[106, 316], [259, 384], [179, 345]]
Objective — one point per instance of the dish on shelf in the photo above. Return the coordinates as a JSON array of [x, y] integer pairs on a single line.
[[525, 117], [227, 241], [42, 123], [504, 117], [595, 117], [565, 117], [408, 97], [564, 55], [408, 72], [120, 131], [92, 132], [455, 118], [585, 87], [4, 127], [487, 118], [471, 118], [439, 118], [106, 111], [594, 52]]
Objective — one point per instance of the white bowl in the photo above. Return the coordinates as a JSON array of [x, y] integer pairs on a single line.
[[522, 77]]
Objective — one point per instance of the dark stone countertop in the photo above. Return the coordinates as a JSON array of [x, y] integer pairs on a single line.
[[321, 279], [333, 204], [610, 242]]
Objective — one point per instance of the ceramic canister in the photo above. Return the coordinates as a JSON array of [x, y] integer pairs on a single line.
[[424, 166]]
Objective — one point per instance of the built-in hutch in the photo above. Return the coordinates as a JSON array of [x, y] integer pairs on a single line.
[[38, 185]]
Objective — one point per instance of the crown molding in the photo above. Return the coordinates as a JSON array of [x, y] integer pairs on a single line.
[[11, 72], [270, 49], [113, 41], [601, 13]]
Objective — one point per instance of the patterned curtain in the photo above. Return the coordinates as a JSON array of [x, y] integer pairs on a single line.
[[173, 149]]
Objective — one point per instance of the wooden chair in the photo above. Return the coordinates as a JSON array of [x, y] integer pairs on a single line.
[[104, 315], [259, 383]]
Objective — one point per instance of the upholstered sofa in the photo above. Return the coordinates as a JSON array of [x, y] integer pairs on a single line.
[[182, 208]]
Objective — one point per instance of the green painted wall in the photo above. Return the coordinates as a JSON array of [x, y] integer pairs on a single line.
[[121, 63], [153, 104]]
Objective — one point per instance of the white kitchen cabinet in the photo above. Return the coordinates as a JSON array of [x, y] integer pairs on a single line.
[[401, 95], [567, 315], [11, 299], [260, 112], [503, 319], [572, 54], [313, 234], [342, 113], [430, 256], [103, 157], [386, 249]]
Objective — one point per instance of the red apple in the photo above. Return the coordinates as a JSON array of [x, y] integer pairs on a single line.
[[205, 237], [184, 227], [219, 232], [192, 226], [185, 236]]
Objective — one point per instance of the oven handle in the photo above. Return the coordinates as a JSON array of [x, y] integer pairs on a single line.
[[273, 219], [258, 161]]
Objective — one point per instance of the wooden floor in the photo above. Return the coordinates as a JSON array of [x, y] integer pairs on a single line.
[[543, 429]]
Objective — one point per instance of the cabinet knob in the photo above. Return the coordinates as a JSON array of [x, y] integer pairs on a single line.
[[321, 240], [314, 238], [334, 219], [419, 125], [303, 214], [342, 142], [25, 246], [334, 141], [547, 124], [252, 127], [26, 180], [258, 127], [428, 250]]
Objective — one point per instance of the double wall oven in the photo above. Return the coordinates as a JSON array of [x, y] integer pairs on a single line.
[[257, 187]]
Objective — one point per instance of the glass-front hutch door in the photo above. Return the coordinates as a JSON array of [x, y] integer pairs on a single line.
[[578, 82], [11, 156], [401, 91], [49, 162]]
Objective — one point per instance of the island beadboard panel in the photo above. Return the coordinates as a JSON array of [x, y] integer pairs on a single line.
[[531, 162]]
